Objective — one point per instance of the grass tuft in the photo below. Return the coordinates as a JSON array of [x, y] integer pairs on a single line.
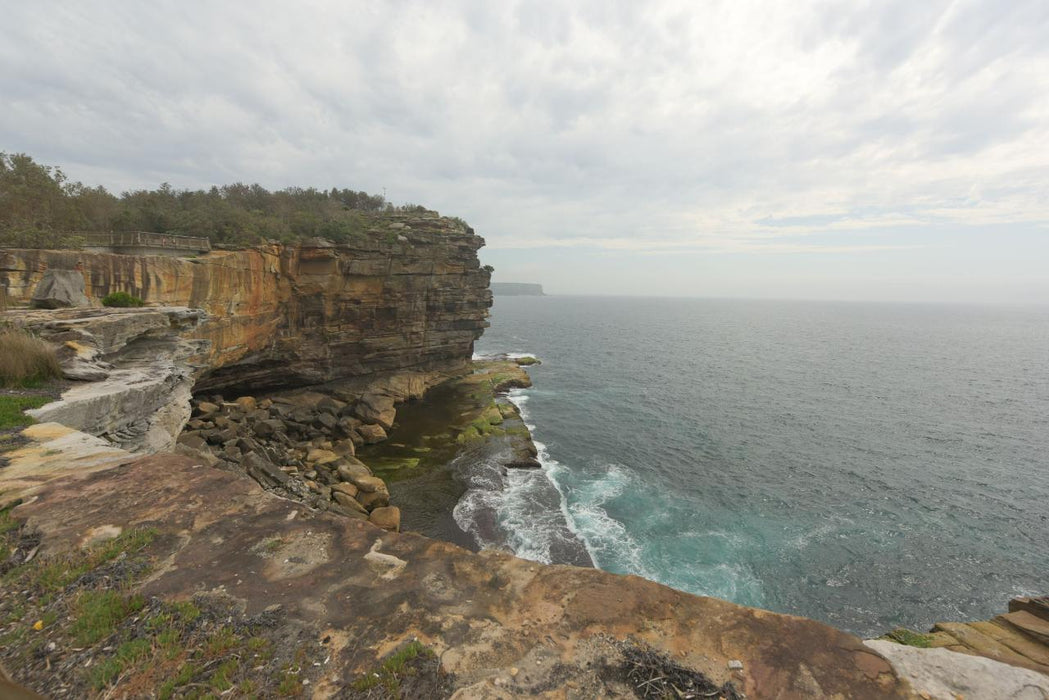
[[25, 359]]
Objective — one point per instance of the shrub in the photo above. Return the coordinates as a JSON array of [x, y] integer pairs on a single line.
[[121, 299], [25, 359]]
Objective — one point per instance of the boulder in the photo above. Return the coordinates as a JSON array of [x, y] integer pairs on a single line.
[[264, 471], [330, 405], [348, 512], [350, 469], [344, 448], [377, 409], [192, 441], [347, 426], [346, 488], [375, 499], [326, 421], [368, 484], [247, 404], [59, 289], [386, 517], [371, 434], [347, 501], [319, 456], [268, 428], [206, 408]]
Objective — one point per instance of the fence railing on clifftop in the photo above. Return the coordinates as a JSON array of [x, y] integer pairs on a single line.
[[143, 239]]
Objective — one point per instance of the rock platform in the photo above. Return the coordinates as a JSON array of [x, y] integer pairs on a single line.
[[500, 626]]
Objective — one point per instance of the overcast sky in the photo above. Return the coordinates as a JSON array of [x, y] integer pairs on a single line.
[[893, 150]]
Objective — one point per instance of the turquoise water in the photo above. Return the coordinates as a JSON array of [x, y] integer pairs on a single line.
[[869, 465]]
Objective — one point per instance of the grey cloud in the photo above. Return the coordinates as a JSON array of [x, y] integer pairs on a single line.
[[632, 121]]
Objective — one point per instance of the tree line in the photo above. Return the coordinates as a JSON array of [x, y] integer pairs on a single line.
[[41, 208]]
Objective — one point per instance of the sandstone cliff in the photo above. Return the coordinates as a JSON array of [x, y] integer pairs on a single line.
[[409, 295]]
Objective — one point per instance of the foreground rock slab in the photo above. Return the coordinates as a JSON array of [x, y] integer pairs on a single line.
[[941, 674], [503, 626]]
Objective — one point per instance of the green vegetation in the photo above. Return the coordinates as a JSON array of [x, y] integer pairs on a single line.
[[25, 360], [395, 667], [11, 408], [39, 208], [901, 635], [78, 622], [527, 361], [121, 299]]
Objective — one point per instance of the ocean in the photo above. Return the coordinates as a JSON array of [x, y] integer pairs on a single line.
[[867, 465]]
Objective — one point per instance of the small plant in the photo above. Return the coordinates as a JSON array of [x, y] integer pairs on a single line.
[[121, 300], [25, 359], [902, 635]]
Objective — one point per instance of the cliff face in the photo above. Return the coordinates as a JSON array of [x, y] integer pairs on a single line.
[[410, 295]]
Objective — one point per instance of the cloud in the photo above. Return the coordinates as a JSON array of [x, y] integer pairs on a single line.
[[724, 125]]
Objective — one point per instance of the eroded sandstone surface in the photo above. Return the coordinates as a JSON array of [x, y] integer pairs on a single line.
[[500, 626]]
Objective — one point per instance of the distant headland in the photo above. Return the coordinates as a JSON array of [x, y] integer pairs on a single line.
[[517, 289]]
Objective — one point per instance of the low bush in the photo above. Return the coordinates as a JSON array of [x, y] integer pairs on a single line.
[[25, 359], [121, 299]]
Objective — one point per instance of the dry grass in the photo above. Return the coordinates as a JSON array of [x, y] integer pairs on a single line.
[[25, 359]]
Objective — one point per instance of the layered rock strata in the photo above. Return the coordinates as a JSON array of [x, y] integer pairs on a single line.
[[409, 294], [137, 369]]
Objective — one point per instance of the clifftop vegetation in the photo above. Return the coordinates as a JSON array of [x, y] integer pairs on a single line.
[[41, 208]]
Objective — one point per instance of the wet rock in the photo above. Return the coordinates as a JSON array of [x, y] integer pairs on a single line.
[[388, 518]]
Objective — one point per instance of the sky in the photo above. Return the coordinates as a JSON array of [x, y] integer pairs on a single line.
[[831, 149]]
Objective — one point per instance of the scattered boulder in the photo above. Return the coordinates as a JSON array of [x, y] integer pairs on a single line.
[[377, 409], [371, 434], [348, 512], [368, 484], [344, 448], [192, 441], [59, 289], [352, 468], [347, 501], [247, 403], [375, 499], [319, 456], [206, 408], [330, 405], [386, 517], [346, 488], [268, 428], [264, 471]]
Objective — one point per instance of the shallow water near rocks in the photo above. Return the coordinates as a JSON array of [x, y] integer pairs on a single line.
[[868, 465]]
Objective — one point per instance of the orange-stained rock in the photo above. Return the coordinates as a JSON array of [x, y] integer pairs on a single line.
[[287, 315]]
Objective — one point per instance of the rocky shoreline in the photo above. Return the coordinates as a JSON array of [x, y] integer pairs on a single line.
[[303, 445]]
